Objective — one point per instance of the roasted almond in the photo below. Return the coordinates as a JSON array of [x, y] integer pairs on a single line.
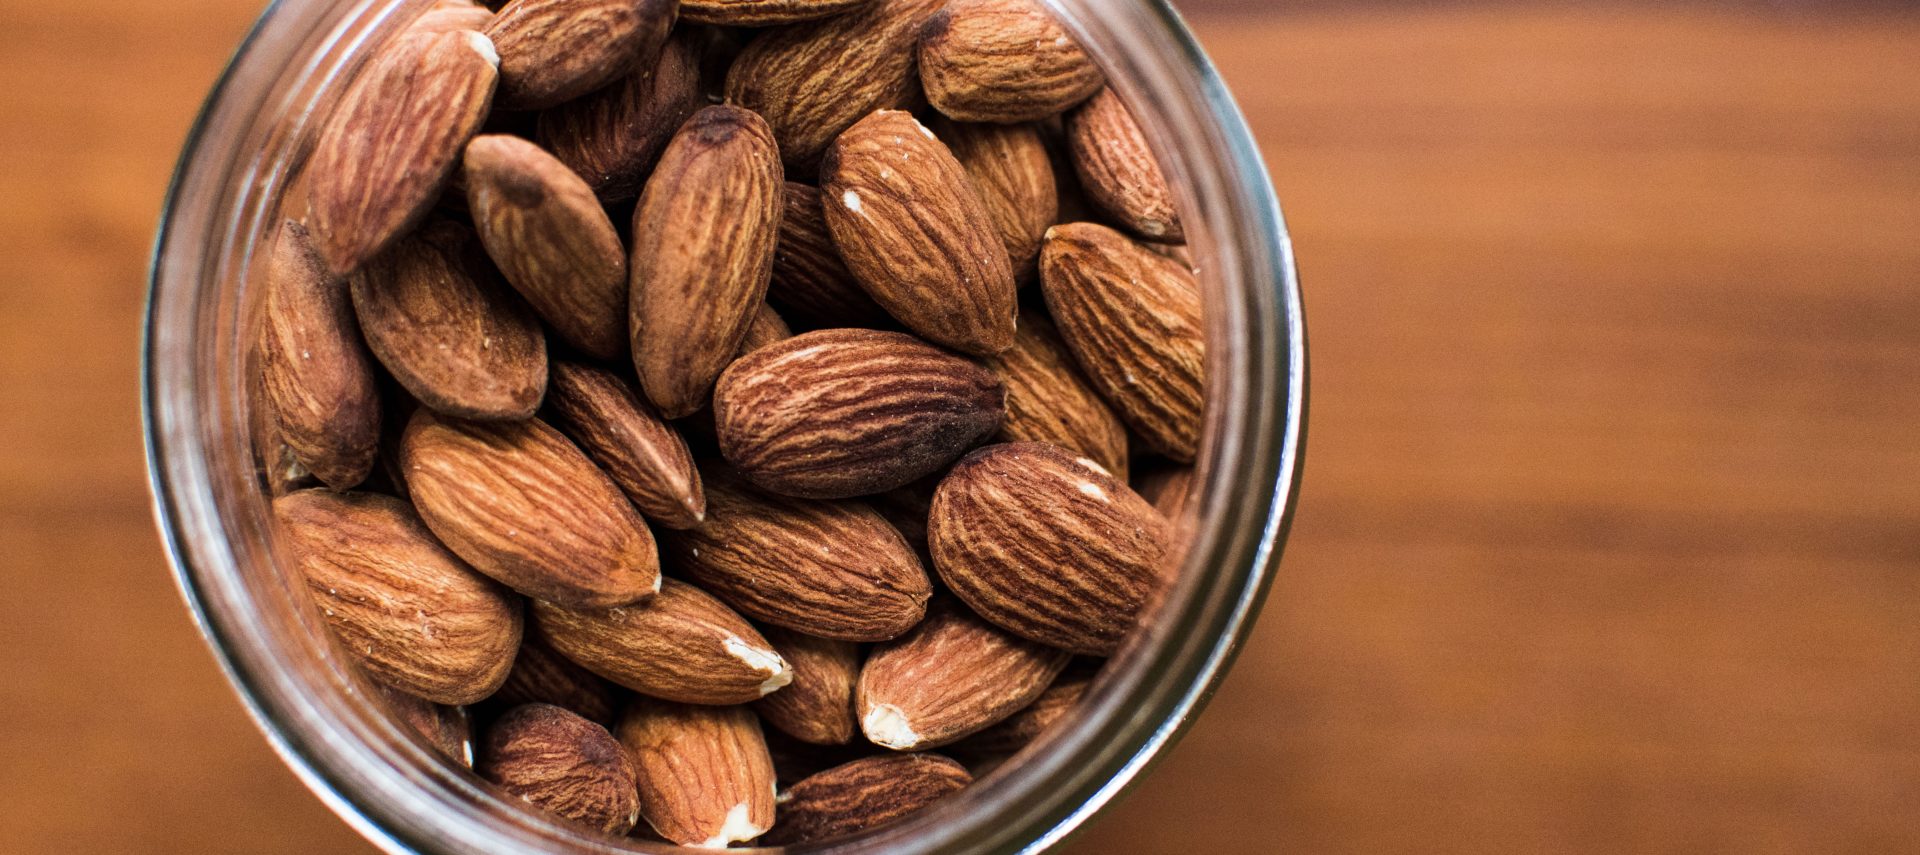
[[525, 506], [682, 645], [452, 16], [817, 707], [1013, 174], [445, 729], [315, 371], [706, 779], [413, 615], [767, 328], [953, 676], [863, 794], [612, 137], [913, 231], [764, 13], [1117, 169], [1022, 728], [1047, 545], [703, 239], [279, 470], [1003, 61], [810, 281], [646, 457], [838, 413], [563, 764], [556, 50], [541, 675], [1049, 401]]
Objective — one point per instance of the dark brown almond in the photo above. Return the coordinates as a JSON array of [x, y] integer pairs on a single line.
[[829, 569], [706, 779], [551, 239], [1013, 174], [682, 645], [541, 675], [413, 615], [838, 413], [767, 328], [1047, 545], [810, 281], [794, 760], [1168, 486], [523, 505], [1132, 319], [1118, 171], [703, 240], [315, 371], [445, 729], [556, 50], [817, 707], [863, 794], [1003, 61], [953, 676], [1049, 401], [913, 231], [435, 312], [764, 13], [612, 137], [646, 457], [1022, 728], [563, 764]]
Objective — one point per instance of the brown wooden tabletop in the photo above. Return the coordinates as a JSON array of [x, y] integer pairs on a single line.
[[1610, 538]]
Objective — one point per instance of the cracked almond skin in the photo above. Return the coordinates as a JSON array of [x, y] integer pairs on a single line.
[[541, 675], [1049, 401], [764, 13], [563, 764], [1133, 321], [681, 645], [833, 414], [394, 141], [605, 415], [523, 505], [952, 676], [817, 707], [1117, 170], [551, 239], [706, 778], [703, 241], [315, 371], [410, 612], [435, 313], [611, 138], [1047, 545], [1013, 175], [1003, 61], [863, 794], [557, 50], [445, 729], [829, 569], [810, 280], [916, 235]]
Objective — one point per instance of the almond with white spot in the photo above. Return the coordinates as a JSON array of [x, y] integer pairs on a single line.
[[705, 777], [681, 645], [810, 280], [953, 676], [817, 707]]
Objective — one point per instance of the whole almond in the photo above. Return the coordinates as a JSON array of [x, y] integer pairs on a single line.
[[646, 457], [445, 729], [829, 569], [556, 50], [863, 794], [413, 615], [612, 137], [812, 81], [703, 240], [541, 675], [564, 764], [810, 281], [682, 645], [838, 413], [1022, 728], [1169, 487], [913, 231], [817, 707], [953, 676], [1117, 169], [705, 776], [551, 239], [1046, 545], [1132, 319], [1049, 401], [393, 141], [1003, 61], [1013, 174], [764, 13], [315, 371], [767, 328], [436, 314], [523, 505]]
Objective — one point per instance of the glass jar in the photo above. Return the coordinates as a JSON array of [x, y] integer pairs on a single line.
[[254, 134]]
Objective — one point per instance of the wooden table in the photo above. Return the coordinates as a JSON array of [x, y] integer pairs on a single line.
[[1610, 538]]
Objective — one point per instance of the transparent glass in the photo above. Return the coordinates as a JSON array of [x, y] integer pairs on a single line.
[[253, 137]]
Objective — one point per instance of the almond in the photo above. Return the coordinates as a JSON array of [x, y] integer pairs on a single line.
[[1049, 401], [913, 231], [556, 50], [810, 281], [830, 569], [682, 645], [1046, 545], [764, 13], [1117, 169], [953, 676], [315, 371], [767, 328], [705, 776], [1013, 174], [1022, 728], [1169, 487], [907, 508], [817, 707], [1003, 61], [445, 729], [564, 764], [523, 505], [452, 16], [435, 313], [839, 413], [551, 239], [612, 137], [394, 140], [645, 456], [541, 675], [275, 464], [1132, 319], [863, 794], [413, 615], [703, 239]]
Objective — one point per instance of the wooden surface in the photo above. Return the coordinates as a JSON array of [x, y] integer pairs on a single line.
[[1610, 539]]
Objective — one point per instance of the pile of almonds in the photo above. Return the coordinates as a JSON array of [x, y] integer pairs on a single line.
[[568, 488]]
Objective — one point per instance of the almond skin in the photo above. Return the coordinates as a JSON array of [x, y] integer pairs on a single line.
[[839, 413], [1169, 487], [316, 373], [434, 311], [556, 50], [452, 16], [523, 505], [763, 13], [1018, 730], [1049, 401], [953, 676], [541, 675], [566, 765], [1132, 319], [682, 645], [1117, 169], [551, 239], [703, 240], [817, 707], [810, 281], [445, 729], [1003, 61], [863, 794], [1013, 174], [1047, 545], [767, 328], [829, 569], [411, 613], [914, 233], [612, 137], [646, 457], [705, 776]]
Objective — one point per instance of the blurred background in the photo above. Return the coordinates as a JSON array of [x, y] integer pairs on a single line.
[[1610, 536]]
